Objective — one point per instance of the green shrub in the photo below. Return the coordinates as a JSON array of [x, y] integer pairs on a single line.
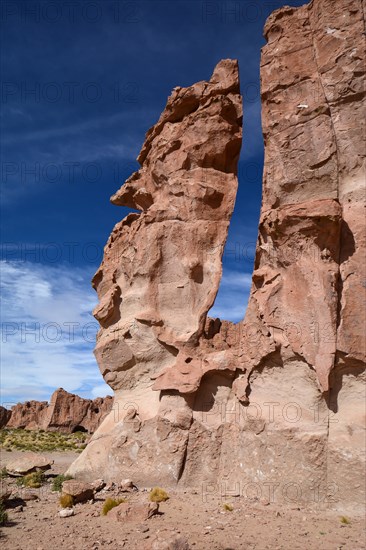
[[110, 503], [19, 482], [66, 501], [158, 495], [3, 473], [58, 481], [3, 514], [33, 481]]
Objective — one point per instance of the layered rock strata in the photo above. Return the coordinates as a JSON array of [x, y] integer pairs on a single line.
[[274, 404]]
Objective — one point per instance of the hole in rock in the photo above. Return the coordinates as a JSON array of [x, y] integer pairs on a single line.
[[79, 429], [197, 273]]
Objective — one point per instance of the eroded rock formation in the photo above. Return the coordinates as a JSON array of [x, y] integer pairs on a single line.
[[4, 416], [276, 400], [27, 415], [66, 413]]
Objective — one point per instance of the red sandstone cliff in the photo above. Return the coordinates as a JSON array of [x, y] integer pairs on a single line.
[[66, 412], [278, 398]]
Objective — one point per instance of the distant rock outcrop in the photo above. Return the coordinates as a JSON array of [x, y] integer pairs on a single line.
[[278, 399], [69, 413], [66, 413], [5, 415], [27, 415]]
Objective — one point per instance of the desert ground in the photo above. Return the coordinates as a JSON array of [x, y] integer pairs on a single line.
[[204, 521]]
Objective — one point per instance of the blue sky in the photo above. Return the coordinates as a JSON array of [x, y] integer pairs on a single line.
[[81, 84]]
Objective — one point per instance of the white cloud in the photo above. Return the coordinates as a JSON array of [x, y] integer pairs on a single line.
[[47, 331], [232, 298], [101, 389]]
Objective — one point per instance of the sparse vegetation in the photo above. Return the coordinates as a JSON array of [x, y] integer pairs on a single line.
[[345, 520], [58, 481], [3, 473], [33, 481], [66, 501], [39, 440], [158, 495], [3, 514], [110, 503], [228, 507]]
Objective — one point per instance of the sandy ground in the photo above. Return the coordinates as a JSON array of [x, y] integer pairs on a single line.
[[36, 525]]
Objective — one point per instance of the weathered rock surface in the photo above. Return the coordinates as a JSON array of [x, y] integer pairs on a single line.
[[28, 463], [81, 492], [5, 490], [66, 512], [66, 413], [127, 486], [69, 413], [27, 415], [168, 541], [98, 485], [161, 272], [5, 415], [127, 511], [277, 400]]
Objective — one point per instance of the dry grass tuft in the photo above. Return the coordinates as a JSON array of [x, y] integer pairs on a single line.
[[345, 520], [110, 503], [66, 501], [158, 495], [33, 481]]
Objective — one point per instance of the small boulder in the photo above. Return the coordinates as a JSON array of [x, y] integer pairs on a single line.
[[134, 512], [28, 463], [128, 486], [80, 491], [169, 541], [98, 485], [28, 496], [5, 491], [18, 508], [110, 486], [66, 512]]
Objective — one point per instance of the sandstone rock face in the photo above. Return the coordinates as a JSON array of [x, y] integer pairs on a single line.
[[5, 415], [162, 267], [160, 275], [27, 415], [66, 413], [274, 406], [69, 413]]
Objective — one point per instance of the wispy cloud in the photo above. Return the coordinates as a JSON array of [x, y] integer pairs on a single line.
[[78, 128], [232, 298], [47, 332]]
